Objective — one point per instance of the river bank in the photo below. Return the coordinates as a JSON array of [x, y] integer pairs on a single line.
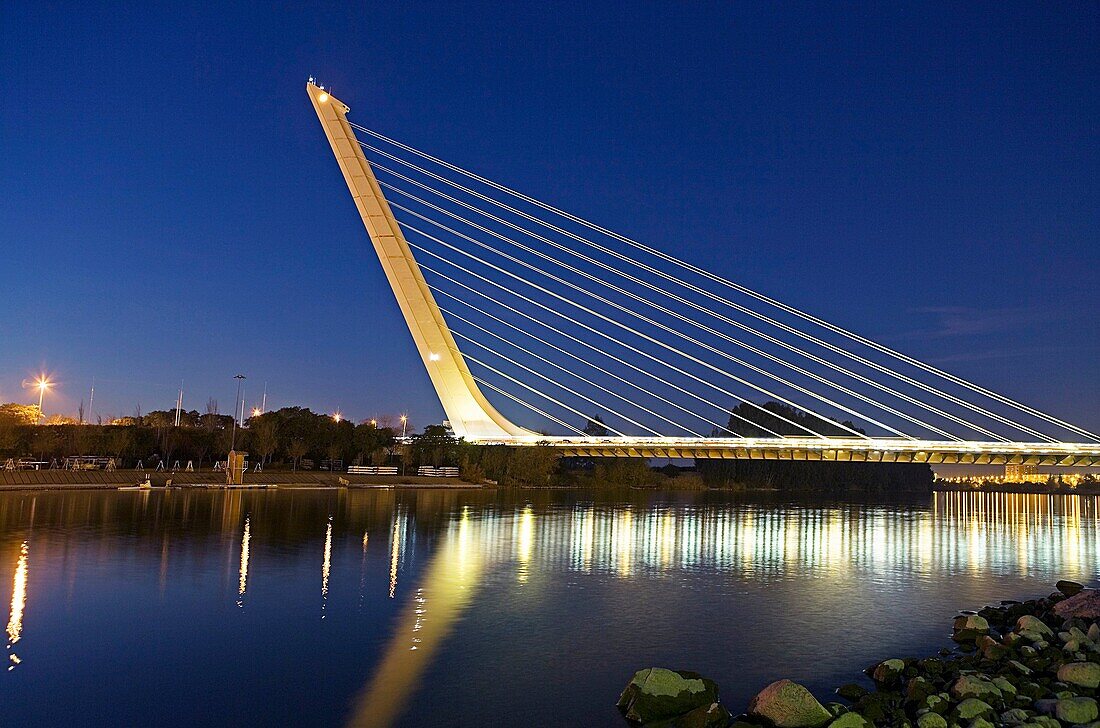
[[104, 480], [1029, 664]]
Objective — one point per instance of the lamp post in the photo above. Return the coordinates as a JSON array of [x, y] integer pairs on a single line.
[[43, 384], [233, 438], [404, 453]]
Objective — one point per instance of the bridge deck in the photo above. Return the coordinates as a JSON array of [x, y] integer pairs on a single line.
[[874, 450]]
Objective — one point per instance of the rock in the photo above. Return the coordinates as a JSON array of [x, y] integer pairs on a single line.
[[1019, 667], [705, 716], [1008, 690], [917, 689], [1032, 690], [1046, 721], [930, 665], [888, 672], [1046, 706], [1069, 588], [972, 686], [656, 694], [1082, 674], [990, 648], [980, 723], [850, 720], [968, 627], [1076, 710], [931, 720], [1016, 716], [851, 692], [1084, 604], [972, 708], [1032, 629], [938, 703], [788, 705]]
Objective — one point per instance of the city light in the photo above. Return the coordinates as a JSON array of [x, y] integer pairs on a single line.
[[41, 383], [336, 416], [256, 412]]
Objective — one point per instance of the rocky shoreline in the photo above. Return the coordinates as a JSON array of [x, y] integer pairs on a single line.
[[1033, 664]]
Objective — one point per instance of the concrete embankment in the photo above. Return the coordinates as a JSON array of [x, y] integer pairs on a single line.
[[65, 480]]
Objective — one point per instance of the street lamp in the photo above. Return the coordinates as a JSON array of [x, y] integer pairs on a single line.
[[42, 384], [233, 438], [336, 417], [404, 425]]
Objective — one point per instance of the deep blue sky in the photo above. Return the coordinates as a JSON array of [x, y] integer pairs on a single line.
[[170, 210]]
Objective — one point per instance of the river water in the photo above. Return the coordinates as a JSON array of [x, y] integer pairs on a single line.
[[434, 607]]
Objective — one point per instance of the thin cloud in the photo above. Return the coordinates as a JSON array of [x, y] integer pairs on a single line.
[[954, 321]]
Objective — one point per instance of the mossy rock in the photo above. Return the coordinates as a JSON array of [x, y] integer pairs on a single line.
[[657, 694], [1032, 628], [971, 708], [850, 719], [888, 672], [787, 704], [973, 686], [938, 703], [968, 627], [991, 649], [1081, 674], [1008, 690], [851, 692], [919, 688], [1015, 716], [1076, 710], [705, 716], [931, 720]]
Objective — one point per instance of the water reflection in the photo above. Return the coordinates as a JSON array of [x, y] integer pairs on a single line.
[[466, 558], [18, 604], [242, 582], [326, 567], [447, 588]]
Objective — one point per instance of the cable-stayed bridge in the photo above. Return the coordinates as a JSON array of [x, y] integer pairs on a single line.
[[619, 349]]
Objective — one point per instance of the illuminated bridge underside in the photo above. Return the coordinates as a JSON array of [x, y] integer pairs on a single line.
[[836, 450]]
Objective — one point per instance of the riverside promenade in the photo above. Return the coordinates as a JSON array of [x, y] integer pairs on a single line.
[[99, 479]]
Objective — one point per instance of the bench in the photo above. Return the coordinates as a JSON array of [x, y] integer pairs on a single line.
[[432, 472], [372, 470]]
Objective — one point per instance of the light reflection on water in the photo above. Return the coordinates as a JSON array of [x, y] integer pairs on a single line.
[[486, 605]]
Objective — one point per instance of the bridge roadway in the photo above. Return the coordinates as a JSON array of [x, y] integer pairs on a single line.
[[872, 450]]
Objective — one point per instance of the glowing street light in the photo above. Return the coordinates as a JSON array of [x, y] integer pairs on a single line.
[[42, 383], [373, 422], [256, 412], [404, 424], [336, 417]]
